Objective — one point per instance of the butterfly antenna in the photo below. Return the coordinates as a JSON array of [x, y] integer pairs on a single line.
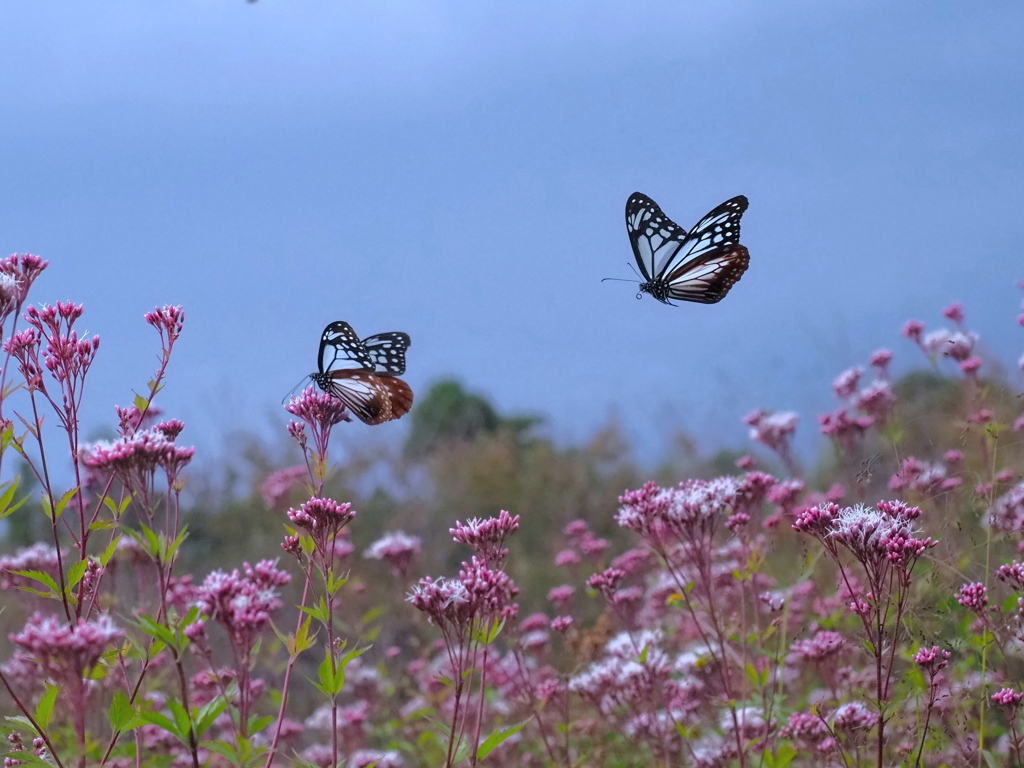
[[292, 391], [620, 279], [625, 280]]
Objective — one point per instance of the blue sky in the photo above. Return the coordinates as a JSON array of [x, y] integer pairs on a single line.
[[458, 170]]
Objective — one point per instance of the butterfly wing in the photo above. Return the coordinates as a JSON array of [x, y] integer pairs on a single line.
[[387, 351], [709, 276], [660, 245], [655, 238], [340, 344], [401, 395], [364, 393]]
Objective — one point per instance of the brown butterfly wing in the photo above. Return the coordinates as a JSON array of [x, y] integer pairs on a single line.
[[365, 394], [709, 276], [401, 395]]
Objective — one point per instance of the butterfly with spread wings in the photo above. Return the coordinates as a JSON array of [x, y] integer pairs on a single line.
[[363, 374], [700, 265]]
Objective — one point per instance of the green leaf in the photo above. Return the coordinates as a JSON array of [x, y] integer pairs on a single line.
[[181, 717], [44, 709], [326, 674], [26, 757], [10, 487], [161, 720], [155, 630], [496, 738], [76, 572], [257, 724], [121, 712], [62, 504], [208, 713], [43, 578]]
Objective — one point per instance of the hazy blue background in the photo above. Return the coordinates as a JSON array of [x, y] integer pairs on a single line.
[[458, 169]]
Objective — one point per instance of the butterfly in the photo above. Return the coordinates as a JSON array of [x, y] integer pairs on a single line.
[[363, 373], [700, 265]]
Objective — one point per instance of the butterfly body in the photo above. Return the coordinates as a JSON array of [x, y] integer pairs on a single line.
[[700, 265], [362, 373]]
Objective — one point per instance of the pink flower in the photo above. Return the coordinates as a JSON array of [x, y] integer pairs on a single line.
[[955, 312], [487, 537], [845, 383], [1010, 701], [320, 411], [277, 484], [67, 652], [973, 597], [445, 601], [1007, 513], [242, 602], [876, 401], [932, 659], [912, 329], [844, 428], [561, 623], [17, 273], [561, 596], [914, 475], [490, 591], [397, 549], [323, 519], [168, 320], [37, 557], [774, 430], [823, 645], [853, 717], [567, 557], [606, 582], [880, 359], [134, 460]]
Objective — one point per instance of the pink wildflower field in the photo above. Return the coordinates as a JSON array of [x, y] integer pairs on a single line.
[[493, 599]]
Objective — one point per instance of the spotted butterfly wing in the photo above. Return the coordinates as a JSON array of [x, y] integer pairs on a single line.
[[387, 351], [340, 347], [700, 265]]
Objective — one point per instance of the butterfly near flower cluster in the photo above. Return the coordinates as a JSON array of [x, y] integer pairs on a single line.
[[700, 265], [363, 373]]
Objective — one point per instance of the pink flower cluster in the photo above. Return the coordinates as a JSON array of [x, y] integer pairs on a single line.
[[483, 591], [17, 273], [487, 537], [694, 508], [922, 478], [135, 459], [398, 549], [67, 652], [274, 489], [241, 602], [869, 406], [37, 557], [773, 430], [1007, 512], [872, 534], [958, 345], [320, 411]]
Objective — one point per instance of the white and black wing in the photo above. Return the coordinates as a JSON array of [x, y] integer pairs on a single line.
[[655, 238], [709, 276], [387, 351], [340, 347], [661, 246]]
